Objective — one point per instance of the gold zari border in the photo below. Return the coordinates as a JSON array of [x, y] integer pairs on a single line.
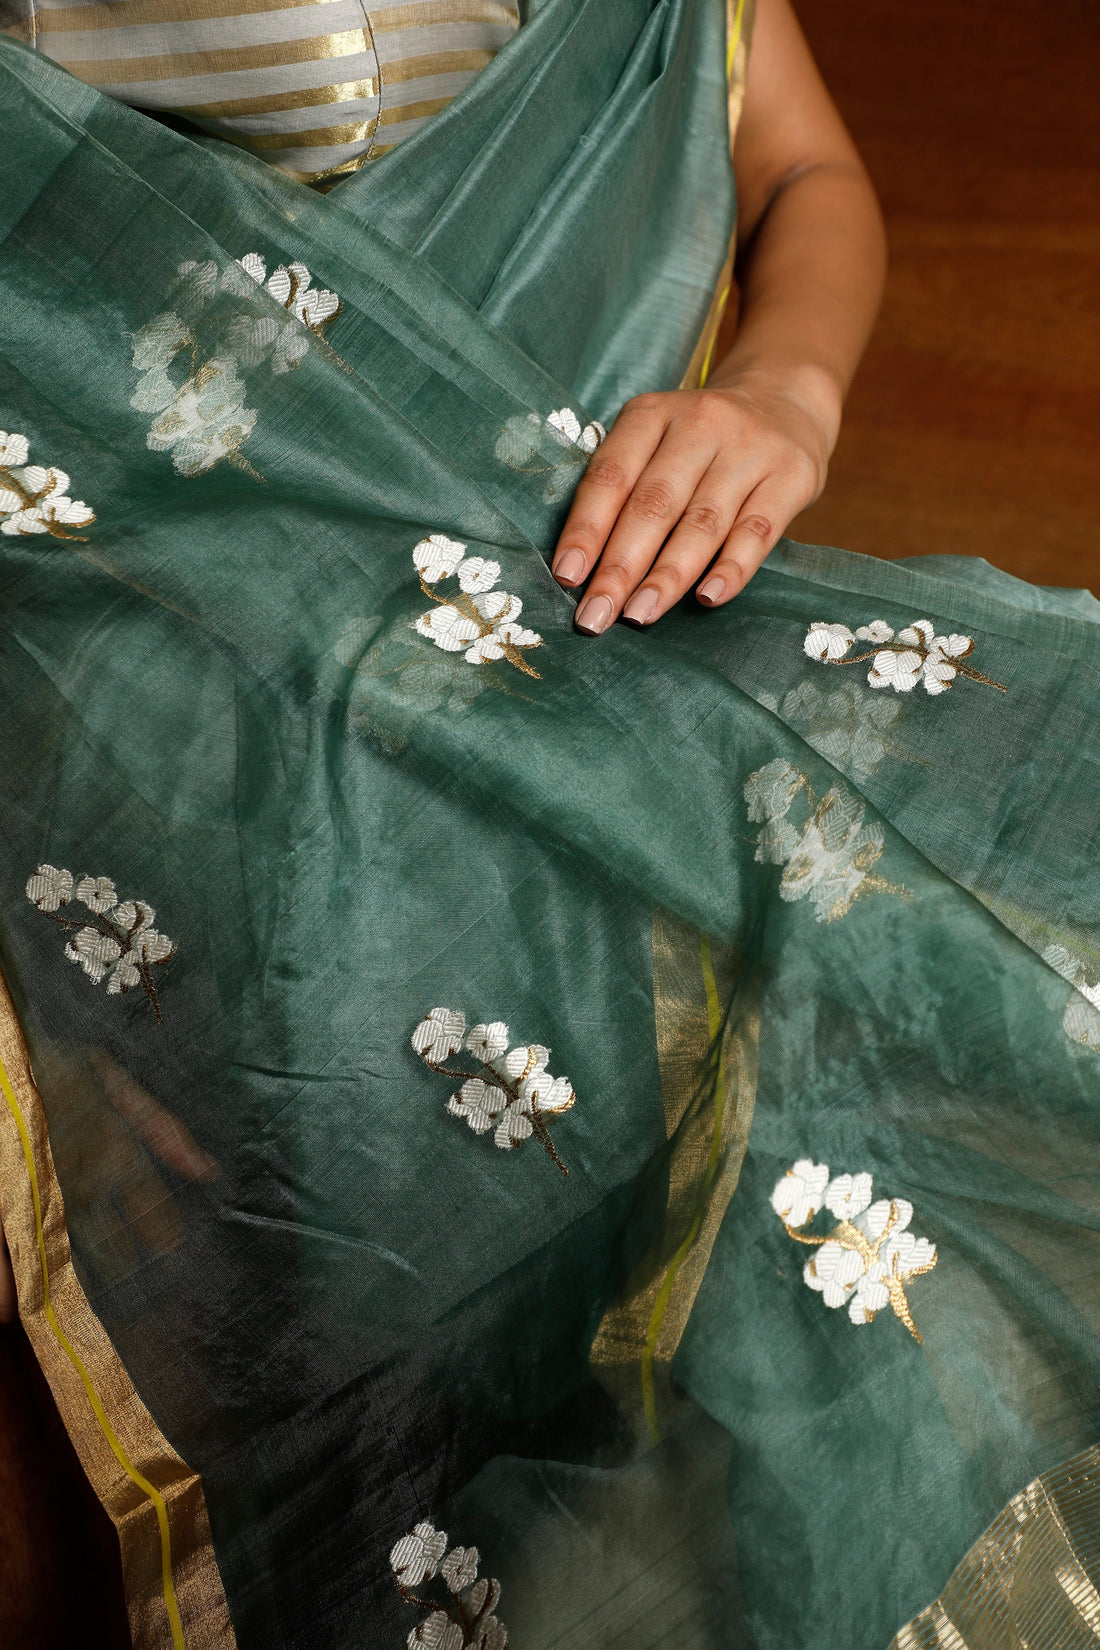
[[708, 1064], [1032, 1582], [173, 1589]]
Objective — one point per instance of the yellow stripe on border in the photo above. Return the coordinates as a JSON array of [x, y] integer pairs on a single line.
[[735, 38], [77, 1362], [664, 1294]]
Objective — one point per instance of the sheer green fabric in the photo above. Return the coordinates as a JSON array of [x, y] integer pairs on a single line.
[[762, 912]]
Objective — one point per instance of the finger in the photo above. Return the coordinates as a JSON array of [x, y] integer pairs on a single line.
[[695, 541], [612, 473], [9, 1305], [759, 525], [663, 491]]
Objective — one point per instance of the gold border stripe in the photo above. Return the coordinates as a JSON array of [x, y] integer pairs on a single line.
[[78, 1364], [174, 1593], [664, 1294]]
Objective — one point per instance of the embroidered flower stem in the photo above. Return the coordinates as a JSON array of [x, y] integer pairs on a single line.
[[119, 936], [925, 653], [485, 627], [487, 1074], [850, 1237]]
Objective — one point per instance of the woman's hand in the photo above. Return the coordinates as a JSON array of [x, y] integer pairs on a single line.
[[693, 487]]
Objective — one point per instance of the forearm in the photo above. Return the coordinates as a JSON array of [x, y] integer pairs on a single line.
[[811, 282]]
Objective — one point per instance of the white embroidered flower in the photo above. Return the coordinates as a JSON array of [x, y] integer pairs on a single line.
[[566, 422], [49, 888], [95, 952], [417, 1556], [476, 575], [797, 1197], [899, 670], [845, 725], [770, 791], [489, 1042], [524, 1059], [831, 857], [449, 628], [915, 654], [459, 1568], [439, 1631], [554, 447], [98, 893], [439, 1034], [460, 1606], [848, 1195], [827, 641], [876, 631], [33, 498], [480, 622], [254, 265], [491, 1635], [866, 1262], [513, 1093], [13, 450], [437, 557], [480, 1104], [542, 1093], [120, 942], [203, 421]]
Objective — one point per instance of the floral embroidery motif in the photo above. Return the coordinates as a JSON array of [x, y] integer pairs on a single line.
[[511, 1092], [118, 940], [555, 447], [849, 728], [461, 1614], [832, 856], [915, 654], [1081, 1020], [34, 499], [479, 622], [204, 419], [869, 1257]]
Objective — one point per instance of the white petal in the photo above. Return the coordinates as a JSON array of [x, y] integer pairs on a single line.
[[49, 887], [98, 893], [515, 633], [440, 1034], [13, 449], [901, 671], [488, 1042], [566, 421], [437, 557], [498, 605], [476, 574], [876, 631], [484, 649], [279, 285], [954, 646], [827, 641], [514, 1127], [448, 628], [848, 1195], [253, 265]]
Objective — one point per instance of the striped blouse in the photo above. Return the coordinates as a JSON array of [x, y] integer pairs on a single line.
[[317, 87]]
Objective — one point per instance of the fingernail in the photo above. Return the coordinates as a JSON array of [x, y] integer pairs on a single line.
[[595, 614], [639, 609], [711, 590], [569, 566]]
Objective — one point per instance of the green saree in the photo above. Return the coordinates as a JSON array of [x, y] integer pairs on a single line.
[[329, 847]]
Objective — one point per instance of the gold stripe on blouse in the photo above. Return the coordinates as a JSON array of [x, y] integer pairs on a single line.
[[260, 75]]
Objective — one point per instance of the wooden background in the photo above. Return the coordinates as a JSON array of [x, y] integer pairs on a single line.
[[973, 428]]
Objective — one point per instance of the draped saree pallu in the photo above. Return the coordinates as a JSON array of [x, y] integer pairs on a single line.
[[512, 1140]]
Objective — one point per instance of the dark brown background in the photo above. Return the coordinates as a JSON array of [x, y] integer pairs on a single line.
[[973, 428]]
